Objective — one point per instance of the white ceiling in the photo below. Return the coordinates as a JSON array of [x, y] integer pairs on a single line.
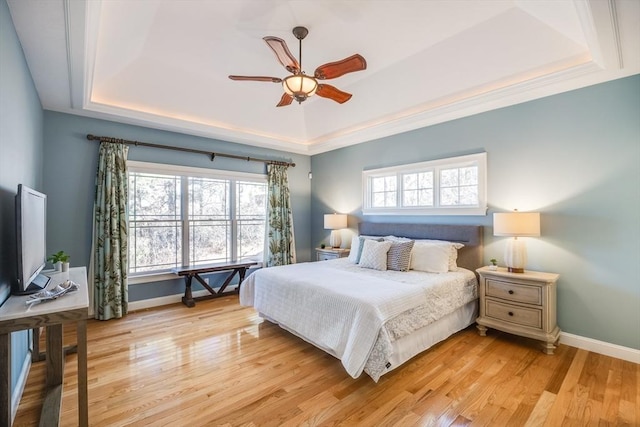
[[164, 64]]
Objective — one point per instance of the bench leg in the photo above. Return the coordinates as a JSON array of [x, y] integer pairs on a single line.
[[187, 299], [241, 274]]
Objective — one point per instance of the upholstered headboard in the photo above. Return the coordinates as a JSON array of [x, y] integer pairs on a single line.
[[469, 257]]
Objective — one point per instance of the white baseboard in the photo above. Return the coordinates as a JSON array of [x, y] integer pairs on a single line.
[[601, 347], [169, 299]]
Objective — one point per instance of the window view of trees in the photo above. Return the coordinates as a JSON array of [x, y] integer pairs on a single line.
[[417, 189], [178, 220], [155, 229], [384, 191], [459, 186]]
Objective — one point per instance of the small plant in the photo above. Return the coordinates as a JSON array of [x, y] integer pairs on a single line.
[[493, 261], [59, 256], [322, 246]]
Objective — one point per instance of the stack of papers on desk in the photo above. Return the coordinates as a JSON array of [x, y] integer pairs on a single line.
[[55, 293]]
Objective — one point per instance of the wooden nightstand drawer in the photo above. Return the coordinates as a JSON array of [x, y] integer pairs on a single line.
[[514, 314], [324, 254], [514, 292]]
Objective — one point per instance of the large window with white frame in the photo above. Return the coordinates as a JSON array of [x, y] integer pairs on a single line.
[[451, 186], [189, 216]]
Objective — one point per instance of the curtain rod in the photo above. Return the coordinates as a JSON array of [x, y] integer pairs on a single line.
[[212, 155]]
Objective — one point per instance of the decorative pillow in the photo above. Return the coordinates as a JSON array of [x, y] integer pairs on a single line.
[[356, 247], [453, 250], [399, 255], [374, 254], [429, 257]]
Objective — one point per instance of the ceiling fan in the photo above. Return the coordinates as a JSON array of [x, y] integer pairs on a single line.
[[300, 86]]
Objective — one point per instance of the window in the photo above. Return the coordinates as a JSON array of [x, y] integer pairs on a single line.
[[453, 186], [188, 216]]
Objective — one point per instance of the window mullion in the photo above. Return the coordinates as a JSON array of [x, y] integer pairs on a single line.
[[233, 188], [399, 190], [184, 213], [436, 187]]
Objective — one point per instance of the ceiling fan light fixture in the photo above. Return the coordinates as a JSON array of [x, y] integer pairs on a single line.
[[300, 86]]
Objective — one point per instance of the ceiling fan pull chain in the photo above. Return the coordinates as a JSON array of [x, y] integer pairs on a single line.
[[300, 54]]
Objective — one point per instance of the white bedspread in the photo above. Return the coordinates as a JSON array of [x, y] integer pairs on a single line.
[[343, 309]]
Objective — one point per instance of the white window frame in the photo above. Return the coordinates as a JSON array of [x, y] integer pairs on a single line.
[[189, 171], [479, 160]]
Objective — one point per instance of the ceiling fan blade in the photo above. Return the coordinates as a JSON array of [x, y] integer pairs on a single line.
[[332, 70], [279, 47], [328, 91], [285, 100], [257, 78]]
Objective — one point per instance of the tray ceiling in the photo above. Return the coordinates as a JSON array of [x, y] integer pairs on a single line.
[[164, 64]]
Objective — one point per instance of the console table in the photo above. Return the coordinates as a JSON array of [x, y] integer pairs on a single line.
[[189, 272], [15, 315]]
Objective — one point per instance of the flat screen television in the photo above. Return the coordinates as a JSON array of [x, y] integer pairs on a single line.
[[31, 230]]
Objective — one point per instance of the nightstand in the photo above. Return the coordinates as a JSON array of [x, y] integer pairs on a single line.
[[331, 253], [519, 303]]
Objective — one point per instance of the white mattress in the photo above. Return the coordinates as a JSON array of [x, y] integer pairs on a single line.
[[370, 320]]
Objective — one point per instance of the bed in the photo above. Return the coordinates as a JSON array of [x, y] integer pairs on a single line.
[[375, 319]]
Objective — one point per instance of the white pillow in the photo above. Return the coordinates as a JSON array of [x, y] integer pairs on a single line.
[[453, 250], [429, 257], [374, 254], [356, 249]]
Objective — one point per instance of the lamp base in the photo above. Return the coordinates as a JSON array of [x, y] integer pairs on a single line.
[[515, 256], [335, 240]]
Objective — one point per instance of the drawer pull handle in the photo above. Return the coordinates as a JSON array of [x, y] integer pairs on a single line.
[[510, 292], [511, 313]]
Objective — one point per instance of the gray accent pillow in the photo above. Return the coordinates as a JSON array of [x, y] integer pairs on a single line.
[[399, 255]]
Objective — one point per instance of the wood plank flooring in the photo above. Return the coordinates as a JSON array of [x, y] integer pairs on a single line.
[[220, 364]]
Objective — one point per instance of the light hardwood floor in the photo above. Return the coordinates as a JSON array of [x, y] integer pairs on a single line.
[[220, 364]]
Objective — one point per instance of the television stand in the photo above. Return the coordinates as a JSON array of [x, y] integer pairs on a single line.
[[16, 316]]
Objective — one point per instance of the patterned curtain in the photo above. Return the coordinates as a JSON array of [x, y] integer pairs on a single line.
[[110, 253], [281, 249]]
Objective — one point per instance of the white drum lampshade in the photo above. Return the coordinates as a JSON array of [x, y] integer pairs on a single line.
[[516, 224], [335, 222]]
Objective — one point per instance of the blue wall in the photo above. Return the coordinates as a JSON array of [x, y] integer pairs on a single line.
[[21, 148], [574, 157], [69, 181]]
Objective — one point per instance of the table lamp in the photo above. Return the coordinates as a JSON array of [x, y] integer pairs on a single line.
[[335, 222], [516, 224]]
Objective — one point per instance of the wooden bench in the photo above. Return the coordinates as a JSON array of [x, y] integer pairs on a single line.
[[189, 272]]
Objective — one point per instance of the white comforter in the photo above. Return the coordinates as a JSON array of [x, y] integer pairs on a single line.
[[344, 309]]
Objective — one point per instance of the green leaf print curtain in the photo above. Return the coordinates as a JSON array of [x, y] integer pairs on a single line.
[[281, 248], [110, 253]]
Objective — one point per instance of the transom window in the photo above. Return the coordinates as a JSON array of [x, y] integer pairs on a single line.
[[189, 216], [453, 186]]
